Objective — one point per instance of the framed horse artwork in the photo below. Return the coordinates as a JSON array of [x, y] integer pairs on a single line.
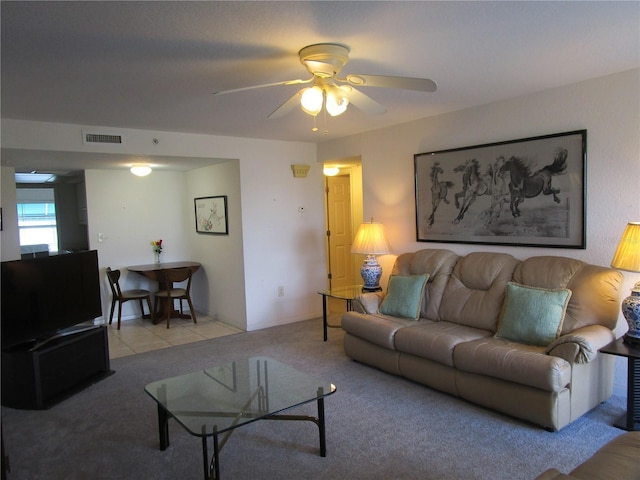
[[526, 192]]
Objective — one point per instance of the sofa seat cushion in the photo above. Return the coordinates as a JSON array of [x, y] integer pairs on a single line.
[[377, 328], [435, 340], [515, 362]]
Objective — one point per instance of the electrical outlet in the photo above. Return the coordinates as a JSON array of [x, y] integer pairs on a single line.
[[100, 238], [281, 291]]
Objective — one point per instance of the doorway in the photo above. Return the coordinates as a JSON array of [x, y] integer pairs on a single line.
[[343, 212]]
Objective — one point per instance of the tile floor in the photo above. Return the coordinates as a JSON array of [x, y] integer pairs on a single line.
[[139, 335]]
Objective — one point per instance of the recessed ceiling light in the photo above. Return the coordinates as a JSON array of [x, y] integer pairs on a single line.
[[331, 171], [141, 170]]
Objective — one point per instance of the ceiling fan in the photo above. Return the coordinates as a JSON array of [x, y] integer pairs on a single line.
[[325, 61]]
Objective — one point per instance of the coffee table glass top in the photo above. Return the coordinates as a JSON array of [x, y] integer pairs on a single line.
[[233, 394]]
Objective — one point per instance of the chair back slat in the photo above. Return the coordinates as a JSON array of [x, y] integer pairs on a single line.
[[168, 293], [114, 281], [177, 275]]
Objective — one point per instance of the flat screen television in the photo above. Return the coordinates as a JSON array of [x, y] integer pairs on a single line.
[[43, 296]]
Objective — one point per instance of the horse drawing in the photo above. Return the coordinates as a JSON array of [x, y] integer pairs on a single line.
[[525, 184], [499, 190], [439, 190], [473, 185]]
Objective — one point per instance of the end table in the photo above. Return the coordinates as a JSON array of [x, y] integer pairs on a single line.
[[348, 294], [631, 420]]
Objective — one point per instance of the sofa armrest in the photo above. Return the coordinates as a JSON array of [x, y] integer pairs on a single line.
[[581, 345], [367, 302], [617, 459]]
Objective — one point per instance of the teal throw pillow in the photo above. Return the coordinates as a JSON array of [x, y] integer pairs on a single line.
[[404, 296], [532, 315]]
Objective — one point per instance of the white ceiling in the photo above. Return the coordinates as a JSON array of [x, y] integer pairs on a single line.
[[154, 65]]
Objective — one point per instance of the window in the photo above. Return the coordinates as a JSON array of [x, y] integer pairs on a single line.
[[37, 218]]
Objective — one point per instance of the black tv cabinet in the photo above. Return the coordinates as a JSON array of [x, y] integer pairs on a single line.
[[37, 376]]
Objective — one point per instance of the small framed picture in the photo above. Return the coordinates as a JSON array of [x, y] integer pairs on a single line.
[[211, 215]]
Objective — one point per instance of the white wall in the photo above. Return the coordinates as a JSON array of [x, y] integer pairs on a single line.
[[278, 245], [130, 212], [9, 237], [286, 247], [220, 290], [608, 107]]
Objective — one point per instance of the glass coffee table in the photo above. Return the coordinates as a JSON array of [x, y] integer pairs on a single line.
[[214, 401]]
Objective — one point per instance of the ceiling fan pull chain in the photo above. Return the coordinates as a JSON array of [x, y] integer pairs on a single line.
[[326, 131]]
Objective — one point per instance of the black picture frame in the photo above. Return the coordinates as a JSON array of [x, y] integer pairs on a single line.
[[211, 215], [526, 192]]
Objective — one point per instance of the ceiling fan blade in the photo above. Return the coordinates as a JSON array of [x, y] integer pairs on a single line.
[[288, 82], [287, 107], [365, 103], [405, 83]]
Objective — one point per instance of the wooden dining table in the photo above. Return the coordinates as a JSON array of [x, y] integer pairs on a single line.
[[153, 271]]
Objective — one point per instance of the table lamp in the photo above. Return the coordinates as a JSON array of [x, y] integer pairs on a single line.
[[371, 241], [627, 257]]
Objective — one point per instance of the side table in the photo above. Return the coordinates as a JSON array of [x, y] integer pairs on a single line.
[[342, 293], [631, 420]]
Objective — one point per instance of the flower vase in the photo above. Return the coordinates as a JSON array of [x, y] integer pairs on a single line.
[[157, 255]]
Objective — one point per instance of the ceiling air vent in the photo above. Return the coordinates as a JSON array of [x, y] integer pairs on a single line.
[[102, 138]]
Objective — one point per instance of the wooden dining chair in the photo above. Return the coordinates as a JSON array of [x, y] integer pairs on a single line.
[[122, 296], [168, 293]]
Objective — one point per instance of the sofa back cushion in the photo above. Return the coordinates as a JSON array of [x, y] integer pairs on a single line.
[[438, 264], [475, 291], [595, 290]]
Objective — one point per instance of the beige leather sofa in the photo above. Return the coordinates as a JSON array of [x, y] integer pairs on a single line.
[[453, 347], [617, 460]]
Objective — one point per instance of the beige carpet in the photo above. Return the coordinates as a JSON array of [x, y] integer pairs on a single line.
[[378, 426]]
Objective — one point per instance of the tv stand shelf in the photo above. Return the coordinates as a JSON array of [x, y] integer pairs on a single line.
[[41, 376]]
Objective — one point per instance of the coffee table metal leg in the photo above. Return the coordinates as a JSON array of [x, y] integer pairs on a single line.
[[323, 438], [216, 458], [211, 470], [205, 454], [163, 427]]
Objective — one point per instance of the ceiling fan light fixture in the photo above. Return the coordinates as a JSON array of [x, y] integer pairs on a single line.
[[311, 100], [337, 100]]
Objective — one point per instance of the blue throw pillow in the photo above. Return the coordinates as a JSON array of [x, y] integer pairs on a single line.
[[532, 315], [404, 296]]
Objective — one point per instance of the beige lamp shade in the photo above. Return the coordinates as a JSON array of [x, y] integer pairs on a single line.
[[370, 239], [627, 256]]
